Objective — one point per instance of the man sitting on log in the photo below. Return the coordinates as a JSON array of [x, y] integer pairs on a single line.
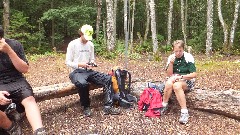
[[13, 63], [80, 57], [181, 71]]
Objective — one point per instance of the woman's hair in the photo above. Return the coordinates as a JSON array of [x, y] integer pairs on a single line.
[[178, 42], [1, 32]]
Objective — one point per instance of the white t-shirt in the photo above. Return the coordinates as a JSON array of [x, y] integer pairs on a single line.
[[78, 52]]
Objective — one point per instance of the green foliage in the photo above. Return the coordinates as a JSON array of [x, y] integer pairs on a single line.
[[33, 41], [72, 16], [165, 48], [146, 46]]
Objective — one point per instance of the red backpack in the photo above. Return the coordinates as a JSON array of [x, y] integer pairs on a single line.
[[151, 102]]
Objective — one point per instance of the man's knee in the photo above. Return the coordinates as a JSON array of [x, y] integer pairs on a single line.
[[28, 100], [81, 84]]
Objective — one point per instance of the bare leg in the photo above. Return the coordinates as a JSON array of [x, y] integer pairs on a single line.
[[179, 88], [167, 91], [5, 123], [32, 112]]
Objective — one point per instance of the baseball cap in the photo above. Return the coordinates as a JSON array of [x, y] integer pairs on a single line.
[[87, 31]]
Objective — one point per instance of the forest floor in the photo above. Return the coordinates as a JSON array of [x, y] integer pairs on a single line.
[[63, 116]]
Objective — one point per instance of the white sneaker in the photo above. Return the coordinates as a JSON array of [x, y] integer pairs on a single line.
[[184, 118]]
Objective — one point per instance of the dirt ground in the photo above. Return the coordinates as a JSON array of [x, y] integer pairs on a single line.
[[63, 116]]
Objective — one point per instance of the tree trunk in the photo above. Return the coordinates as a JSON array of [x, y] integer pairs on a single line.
[[99, 4], [209, 27], [234, 24], [148, 20], [153, 25], [126, 30], [224, 25], [132, 26], [110, 25], [170, 12], [6, 12], [115, 20], [183, 23]]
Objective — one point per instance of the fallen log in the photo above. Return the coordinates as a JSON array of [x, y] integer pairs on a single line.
[[226, 103], [56, 91]]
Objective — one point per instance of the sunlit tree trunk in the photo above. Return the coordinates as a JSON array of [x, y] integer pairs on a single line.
[[99, 4], [170, 22], [209, 27], [132, 26], [153, 25], [110, 27], [126, 30], [6, 12], [148, 20], [231, 39], [183, 22], [115, 19], [224, 25]]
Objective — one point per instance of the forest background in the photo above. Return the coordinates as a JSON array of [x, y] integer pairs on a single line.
[[142, 26]]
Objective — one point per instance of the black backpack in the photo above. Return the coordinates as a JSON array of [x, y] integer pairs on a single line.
[[123, 79]]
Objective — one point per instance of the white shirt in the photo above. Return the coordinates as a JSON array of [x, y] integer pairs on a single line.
[[78, 52]]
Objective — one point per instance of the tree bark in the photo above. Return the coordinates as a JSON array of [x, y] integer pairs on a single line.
[[99, 7], [110, 25], [132, 26], [148, 20], [126, 32], [57, 91], [224, 25], [170, 12], [6, 14], [115, 20], [153, 25], [183, 22], [234, 24], [209, 27]]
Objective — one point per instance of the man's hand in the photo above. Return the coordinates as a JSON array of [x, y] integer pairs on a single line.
[[3, 99], [4, 47], [172, 59]]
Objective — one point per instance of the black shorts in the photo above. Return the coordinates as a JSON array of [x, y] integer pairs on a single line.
[[18, 90]]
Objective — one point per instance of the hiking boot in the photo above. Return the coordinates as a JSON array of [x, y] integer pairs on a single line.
[[163, 110], [184, 118], [111, 110], [87, 111], [40, 131], [15, 129]]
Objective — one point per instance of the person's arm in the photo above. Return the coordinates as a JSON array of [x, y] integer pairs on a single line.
[[92, 58], [70, 58], [18, 63], [170, 62], [189, 76], [3, 99]]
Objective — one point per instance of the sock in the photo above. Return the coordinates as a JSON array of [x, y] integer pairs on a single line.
[[184, 110], [164, 104]]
